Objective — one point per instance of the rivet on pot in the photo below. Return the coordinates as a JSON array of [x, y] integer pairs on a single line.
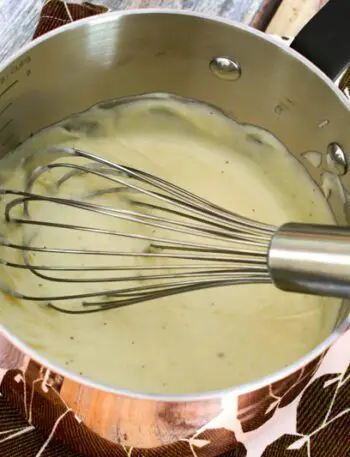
[[225, 68], [336, 159]]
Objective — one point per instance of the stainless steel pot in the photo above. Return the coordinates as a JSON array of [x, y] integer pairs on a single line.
[[252, 78]]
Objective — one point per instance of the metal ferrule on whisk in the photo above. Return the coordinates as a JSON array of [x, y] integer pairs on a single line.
[[311, 259]]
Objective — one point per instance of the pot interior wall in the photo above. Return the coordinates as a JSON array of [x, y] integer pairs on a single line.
[[117, 55]]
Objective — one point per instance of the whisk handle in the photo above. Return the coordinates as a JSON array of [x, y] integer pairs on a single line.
[[311, 259]]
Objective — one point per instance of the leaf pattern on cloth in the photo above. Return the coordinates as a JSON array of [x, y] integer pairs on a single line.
[[34, 395], [56, 13], [265, 402], [19, 439], [323, 421], [238, 451]]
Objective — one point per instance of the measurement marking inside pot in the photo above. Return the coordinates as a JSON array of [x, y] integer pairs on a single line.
[[5, 125], [6, 107], [8, 88], [323, 124], [8, 140]]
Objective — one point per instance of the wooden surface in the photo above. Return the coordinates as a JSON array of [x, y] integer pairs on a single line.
[[18, 18], [292, 15]]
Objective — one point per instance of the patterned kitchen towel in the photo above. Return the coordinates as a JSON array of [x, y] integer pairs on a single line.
[[310, 418], [56, 13]]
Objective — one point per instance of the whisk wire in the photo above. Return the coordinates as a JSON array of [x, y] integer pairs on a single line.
[[223, 247]]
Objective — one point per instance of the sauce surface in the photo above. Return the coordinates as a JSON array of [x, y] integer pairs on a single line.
[[194, 342]]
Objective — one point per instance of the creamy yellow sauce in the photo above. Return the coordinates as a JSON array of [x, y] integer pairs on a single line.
[[197, 341]]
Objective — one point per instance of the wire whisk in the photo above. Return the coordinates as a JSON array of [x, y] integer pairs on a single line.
[[162, 240]]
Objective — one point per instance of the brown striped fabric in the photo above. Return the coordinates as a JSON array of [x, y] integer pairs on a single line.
[[56, 13]]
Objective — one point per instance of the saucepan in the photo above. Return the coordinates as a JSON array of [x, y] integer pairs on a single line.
[[285, 89]]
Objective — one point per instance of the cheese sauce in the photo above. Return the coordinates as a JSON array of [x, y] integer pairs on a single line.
[[197, 341]]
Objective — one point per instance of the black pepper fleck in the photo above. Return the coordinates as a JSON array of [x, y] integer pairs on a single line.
[[221, 355]]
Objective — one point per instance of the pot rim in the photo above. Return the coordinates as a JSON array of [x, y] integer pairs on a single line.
[[199, 396]]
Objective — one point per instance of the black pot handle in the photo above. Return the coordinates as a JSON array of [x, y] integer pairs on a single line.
[[325, 40]]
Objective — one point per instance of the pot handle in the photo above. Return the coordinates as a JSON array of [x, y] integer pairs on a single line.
[[325, 40]]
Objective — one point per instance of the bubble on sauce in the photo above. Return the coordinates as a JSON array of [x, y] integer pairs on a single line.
[[314, 158], [82, 126], [257, 139], [328, 183]]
